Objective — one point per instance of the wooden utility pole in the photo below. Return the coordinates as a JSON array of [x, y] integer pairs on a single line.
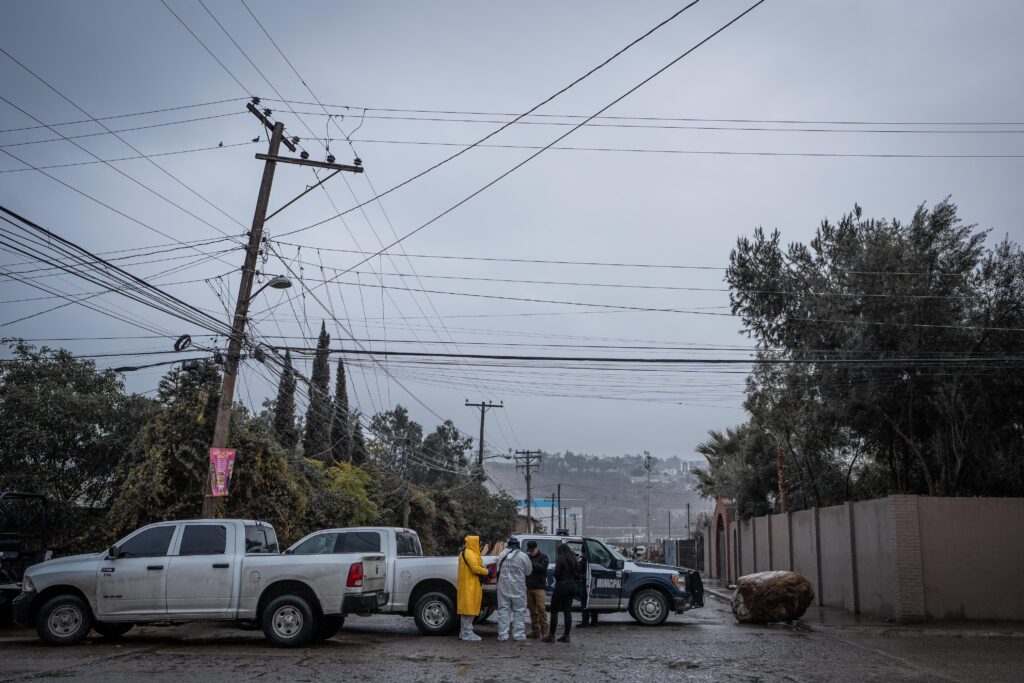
[[525, 460], [212, 504], [647, 466], [552, 530], [560, 523], [484, 406]]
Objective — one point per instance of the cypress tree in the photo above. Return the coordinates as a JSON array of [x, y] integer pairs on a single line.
[[284, 407], [341, 433], [316, 442], [358, 442]]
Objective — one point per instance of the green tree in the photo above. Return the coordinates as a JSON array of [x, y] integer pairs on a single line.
[[398, 442], [359, 453], [742, 468], [446, 448], [341, 424], [167, 477], [284, 407], [316, 442], [923, 319], [65, 429], [167, 472]]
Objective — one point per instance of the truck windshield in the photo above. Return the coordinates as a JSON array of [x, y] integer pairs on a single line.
[[408, 544]]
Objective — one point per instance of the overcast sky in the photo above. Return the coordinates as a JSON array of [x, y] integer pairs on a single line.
[[871, 61]]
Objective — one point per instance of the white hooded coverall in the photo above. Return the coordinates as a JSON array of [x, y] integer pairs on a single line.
[[514, 565]]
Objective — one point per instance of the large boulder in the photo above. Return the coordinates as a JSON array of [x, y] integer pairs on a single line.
[[771, 596]]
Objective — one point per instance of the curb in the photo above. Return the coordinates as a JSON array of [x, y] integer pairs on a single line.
[[718, 595]]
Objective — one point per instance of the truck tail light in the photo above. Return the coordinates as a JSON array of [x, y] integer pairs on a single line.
[[355, 575], [492, 573]]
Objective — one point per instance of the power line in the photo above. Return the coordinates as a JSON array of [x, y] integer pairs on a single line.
[[129, 158], [518, 117], [674, 361], [812, 122], [612, 285], [126, 143], [561, 137], [123, 116], [734, 128], [609, 264], [653, 309], [111, 275], [692, 152], [65, 138]]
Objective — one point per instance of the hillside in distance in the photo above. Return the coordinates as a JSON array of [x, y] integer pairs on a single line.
[[609, 493]]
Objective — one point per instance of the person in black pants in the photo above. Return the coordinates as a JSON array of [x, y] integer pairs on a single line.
[[567, 572]]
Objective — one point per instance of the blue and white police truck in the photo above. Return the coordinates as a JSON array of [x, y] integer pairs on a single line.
[[616, 584]]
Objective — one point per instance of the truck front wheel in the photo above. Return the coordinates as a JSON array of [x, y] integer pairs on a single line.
[[435, 614], [63, 620], [288, 621], [650, 608]]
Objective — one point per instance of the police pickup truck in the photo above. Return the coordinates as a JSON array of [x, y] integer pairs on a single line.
[[205, 569], [615, 584]]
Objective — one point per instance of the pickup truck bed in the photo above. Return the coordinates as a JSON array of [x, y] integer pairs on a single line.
[[420, 587]]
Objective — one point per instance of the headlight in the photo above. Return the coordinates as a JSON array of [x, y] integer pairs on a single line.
[[679, 580], [27, 585]]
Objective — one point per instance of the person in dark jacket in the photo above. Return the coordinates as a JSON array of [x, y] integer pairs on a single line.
[[567, 573], [536, 596]]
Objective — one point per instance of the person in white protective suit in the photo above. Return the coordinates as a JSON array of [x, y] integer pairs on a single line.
[[513, 567]]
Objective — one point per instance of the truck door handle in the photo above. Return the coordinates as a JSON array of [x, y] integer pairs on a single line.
[[221, 565], [155, 567]]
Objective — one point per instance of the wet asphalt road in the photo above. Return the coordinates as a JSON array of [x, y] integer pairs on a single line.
[[704, 644]]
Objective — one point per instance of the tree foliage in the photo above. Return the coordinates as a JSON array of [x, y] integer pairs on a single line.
[[65, 430], [886, 355], [341, 422], [285, 429], [316, 441], [112, 462]]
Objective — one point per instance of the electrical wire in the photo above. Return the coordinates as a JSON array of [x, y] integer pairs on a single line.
[[541, 104]]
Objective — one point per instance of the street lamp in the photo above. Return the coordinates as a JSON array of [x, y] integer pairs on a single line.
[[276, 282]]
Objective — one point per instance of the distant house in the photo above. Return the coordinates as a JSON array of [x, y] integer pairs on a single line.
[[523, 524]]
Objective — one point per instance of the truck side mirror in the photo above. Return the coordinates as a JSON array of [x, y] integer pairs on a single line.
[[619, 564], [113, 552]]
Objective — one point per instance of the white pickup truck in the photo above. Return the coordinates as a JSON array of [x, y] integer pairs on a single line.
[[205, 569], [417, 586]]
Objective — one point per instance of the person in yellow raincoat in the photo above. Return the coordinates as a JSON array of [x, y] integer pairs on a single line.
[[470, 594]]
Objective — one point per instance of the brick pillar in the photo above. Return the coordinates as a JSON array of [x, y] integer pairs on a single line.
[[906, 543], [789, 539], [851, 600], [753, 544], [817, 556]]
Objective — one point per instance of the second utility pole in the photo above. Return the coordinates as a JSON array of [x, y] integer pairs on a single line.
[[483, 406], [647, 466], [525, 459]]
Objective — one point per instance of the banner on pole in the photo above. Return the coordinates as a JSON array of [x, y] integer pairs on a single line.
[[222, 462]]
